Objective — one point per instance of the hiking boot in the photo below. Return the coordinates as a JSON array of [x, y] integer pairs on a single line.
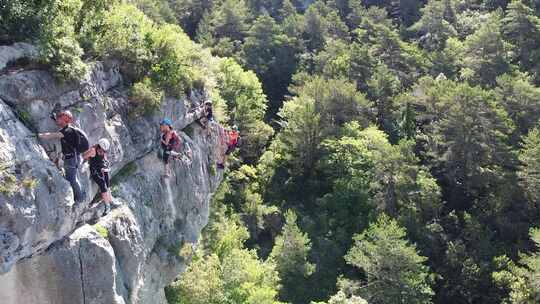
[[107, 209], [115, 203]]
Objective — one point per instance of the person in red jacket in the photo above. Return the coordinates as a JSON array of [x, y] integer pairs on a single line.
[[233, 141], [170, 144]]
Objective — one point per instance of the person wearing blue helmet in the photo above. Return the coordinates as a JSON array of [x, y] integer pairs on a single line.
[[170, 144]]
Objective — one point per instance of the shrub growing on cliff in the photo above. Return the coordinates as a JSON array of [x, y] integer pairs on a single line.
[[59, 46], [19, 19], [145, 97], [163, 53], [8, 181], [175, 59], [125, 36]]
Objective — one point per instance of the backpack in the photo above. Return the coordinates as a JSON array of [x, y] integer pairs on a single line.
[[82, 141]]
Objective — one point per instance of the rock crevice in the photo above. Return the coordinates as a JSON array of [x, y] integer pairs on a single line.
[[82, 276]]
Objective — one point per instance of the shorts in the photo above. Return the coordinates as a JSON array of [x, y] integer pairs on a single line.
[[165, 155], [230, 149], [102, 180]]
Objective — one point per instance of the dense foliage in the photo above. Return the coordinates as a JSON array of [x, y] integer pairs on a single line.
[[391, 148]]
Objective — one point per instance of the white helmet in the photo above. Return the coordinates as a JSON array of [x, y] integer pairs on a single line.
[[104, 144]]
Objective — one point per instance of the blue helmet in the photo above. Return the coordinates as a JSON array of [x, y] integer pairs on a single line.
[[166, 121]]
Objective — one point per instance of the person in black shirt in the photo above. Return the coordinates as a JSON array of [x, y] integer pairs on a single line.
[[208, 113], [99, 170], [207, 116], [68, 140]]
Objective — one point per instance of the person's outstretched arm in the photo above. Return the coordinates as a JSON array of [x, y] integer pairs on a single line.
[[51, 135]]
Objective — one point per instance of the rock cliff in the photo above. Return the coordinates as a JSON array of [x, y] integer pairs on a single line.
[[55, 251]]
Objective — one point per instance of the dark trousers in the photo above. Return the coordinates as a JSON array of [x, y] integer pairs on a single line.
[[71, 166]]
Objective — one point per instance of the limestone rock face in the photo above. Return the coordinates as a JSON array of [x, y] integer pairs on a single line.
[[55, 251], [17, 51]]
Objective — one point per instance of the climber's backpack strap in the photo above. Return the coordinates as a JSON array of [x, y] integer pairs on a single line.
[[175, 142]]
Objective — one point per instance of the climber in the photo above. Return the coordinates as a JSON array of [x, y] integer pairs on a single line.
[[233, 141], [208, 113], [207, 116], [99, 170], [73, 142], [170, 144]]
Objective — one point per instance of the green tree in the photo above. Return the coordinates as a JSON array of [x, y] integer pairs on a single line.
[[290, 253], [394, 271], [337, 101], [529, 171], [364, 165], [124, 36], [287, 10], [467, 138], [226, 272], [224, 27], [301, 134], [521, 100], [59, 47], [157, 10], [321, 108], [436, 24], [247, 106], [486, 54], [383, 43], [20, 19], [343, 298], [90, 23], [269, 52], [189, 13], [522, 28], [382, 87], [177, 63], [202, 284], [230, 20], [314, 29], [521, 278]]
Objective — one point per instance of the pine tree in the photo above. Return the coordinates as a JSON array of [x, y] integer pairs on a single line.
[[314, 30], [521, 100], [290, 253], [394, 271], [382, 87], [486, 54], [468, 139], [521, 278], [529, 171], [436, 24], [271, 53], [522, 28]]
